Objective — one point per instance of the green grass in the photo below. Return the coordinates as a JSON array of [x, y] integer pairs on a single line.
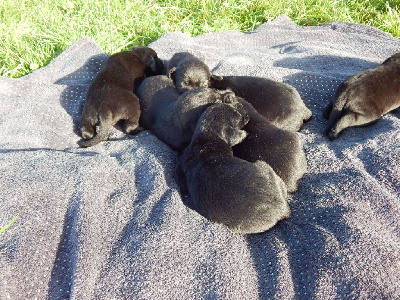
[[32, 32], [8, 225]]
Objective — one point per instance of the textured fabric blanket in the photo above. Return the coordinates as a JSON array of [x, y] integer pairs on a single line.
[[108, 222]]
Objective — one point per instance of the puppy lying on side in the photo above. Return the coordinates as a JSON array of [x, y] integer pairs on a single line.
[[246, 197], [171, 116], [281, 149], [279, 102], [110, 96], [365, 97], [188, 72]]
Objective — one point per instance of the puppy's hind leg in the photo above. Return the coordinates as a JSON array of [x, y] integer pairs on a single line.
[[349, 119], [131, 126], [104, 126], [327, 110], [88, 128]]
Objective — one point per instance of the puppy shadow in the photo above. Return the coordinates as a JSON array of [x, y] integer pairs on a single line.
[[77, 84], [291, 256], [62, 274], [320, 75]]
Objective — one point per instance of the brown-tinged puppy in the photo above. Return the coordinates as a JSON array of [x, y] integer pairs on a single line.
[[154, 65], [246, 197], [365, 97], [171, 116], [110, 97], [279, 102], [281, 149], [188, 72]]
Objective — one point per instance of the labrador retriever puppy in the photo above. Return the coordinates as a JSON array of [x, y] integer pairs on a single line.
[[110, 97], [188, 72], [281, 149], [171, 116], [365, 97], [154, 65], [279, 102], [153, 93], [246, 197]]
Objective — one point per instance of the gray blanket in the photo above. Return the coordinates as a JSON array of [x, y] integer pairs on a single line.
[[108, 222]]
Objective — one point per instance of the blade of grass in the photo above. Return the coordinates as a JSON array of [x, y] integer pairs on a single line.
[[8, 225]]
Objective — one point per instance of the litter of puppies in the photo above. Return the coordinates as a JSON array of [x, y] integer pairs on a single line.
[[239, 154]]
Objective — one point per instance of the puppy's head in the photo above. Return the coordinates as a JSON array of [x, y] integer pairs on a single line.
[[190, 73], [154, 65], [226, 121]]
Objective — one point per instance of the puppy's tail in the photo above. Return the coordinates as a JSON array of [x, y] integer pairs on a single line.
[[100, 136]]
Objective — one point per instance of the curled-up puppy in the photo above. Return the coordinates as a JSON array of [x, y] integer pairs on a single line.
[[154, 65], [279, 102], [110, 98], [154, 93], [188, 72], [365, 97], [281, 149], [246, 197], [171, 116]]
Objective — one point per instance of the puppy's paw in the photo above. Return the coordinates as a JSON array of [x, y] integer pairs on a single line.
[[332, 134], [228, 96]]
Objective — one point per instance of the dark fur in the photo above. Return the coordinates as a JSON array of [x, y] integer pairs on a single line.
[[279, 102], [246, 197], [364, 98], [281, 149], [188, 72], [171, 116], [110, 97], [155, 92], [154, 65]]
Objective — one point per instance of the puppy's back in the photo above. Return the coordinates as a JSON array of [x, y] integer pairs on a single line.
[[279, 102], [246, 197], [176, 59]]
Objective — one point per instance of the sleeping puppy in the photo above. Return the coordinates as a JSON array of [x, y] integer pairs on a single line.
[[365, 97], [246, 197], [281, 149], [188, 72], [171, 116], [279, 102], [154, 65], [155, 92], [110, 96]]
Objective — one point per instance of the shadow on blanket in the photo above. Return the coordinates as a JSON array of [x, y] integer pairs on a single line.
[[66, 256], [73, 97], [300, 244]]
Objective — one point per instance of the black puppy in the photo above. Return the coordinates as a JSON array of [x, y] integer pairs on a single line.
[[171, 116], [188, 72], [154, 65], [281, 149], [279, 102], [246, 197], [365, 97], [154, 93], [110, 96]]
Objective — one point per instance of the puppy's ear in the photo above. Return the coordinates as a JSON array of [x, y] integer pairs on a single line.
[[151, 63], [233, 136], [171, 73], [215, 77]]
